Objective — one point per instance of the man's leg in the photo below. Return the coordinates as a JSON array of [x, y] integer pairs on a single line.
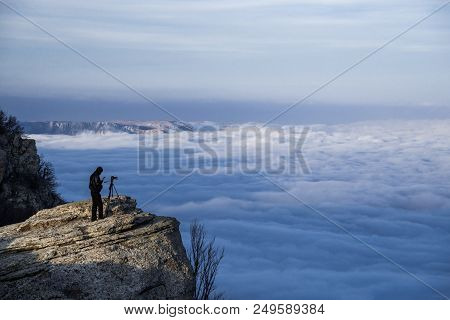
[[100, 206], [94, 207]]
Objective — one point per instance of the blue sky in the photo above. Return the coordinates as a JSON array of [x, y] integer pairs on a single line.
[[269, 53]]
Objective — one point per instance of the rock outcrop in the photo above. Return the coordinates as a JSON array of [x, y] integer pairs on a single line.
[[26, 184], [59, 253]]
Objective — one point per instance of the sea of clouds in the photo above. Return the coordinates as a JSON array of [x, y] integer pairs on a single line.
[[387, 183]]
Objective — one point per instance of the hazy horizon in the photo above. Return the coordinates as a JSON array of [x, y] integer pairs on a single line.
[[60, 109]]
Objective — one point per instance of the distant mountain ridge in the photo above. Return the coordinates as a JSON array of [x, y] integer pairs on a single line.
[[74, 127]]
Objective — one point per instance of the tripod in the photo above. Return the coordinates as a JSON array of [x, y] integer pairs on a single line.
[[112, 192]]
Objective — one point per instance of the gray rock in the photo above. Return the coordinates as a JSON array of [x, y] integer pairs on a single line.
[[59, 253]]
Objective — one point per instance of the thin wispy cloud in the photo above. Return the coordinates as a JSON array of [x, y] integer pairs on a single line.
[[238, 50]]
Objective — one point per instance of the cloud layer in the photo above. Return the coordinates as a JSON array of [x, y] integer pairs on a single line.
[[386, 183]]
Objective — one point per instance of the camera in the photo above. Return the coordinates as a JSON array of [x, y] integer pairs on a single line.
[[114, 178]]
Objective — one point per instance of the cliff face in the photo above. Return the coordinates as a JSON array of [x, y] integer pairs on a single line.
[[59, 253], [24, 187]]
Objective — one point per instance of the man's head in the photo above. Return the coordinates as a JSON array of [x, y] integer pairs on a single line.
[[99, 170]]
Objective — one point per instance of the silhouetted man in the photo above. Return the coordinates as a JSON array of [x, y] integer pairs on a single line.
[[96, 185]]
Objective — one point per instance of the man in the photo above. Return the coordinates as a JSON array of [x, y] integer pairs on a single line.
[[96, 185]]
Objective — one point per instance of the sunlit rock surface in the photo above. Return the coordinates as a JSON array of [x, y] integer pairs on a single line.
[[59, 253]]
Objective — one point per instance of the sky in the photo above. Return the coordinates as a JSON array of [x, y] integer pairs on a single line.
[[384, 182], [236, 60]]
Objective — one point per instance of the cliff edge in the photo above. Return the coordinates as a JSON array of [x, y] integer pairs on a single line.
[[59, 253]]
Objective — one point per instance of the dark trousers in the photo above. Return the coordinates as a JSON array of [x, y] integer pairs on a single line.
[[97, 203]]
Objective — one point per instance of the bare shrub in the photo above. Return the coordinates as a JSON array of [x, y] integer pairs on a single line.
[[205, 258]]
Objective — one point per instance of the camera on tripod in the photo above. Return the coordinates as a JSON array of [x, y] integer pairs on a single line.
[[112, 192], [112, 187]]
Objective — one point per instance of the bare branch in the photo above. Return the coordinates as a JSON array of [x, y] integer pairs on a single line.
[[205, 258]]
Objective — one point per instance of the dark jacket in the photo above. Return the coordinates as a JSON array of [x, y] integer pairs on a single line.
[[95, 183]]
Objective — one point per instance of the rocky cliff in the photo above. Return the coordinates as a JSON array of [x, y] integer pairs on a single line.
[[26, 182], [59, 253]]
